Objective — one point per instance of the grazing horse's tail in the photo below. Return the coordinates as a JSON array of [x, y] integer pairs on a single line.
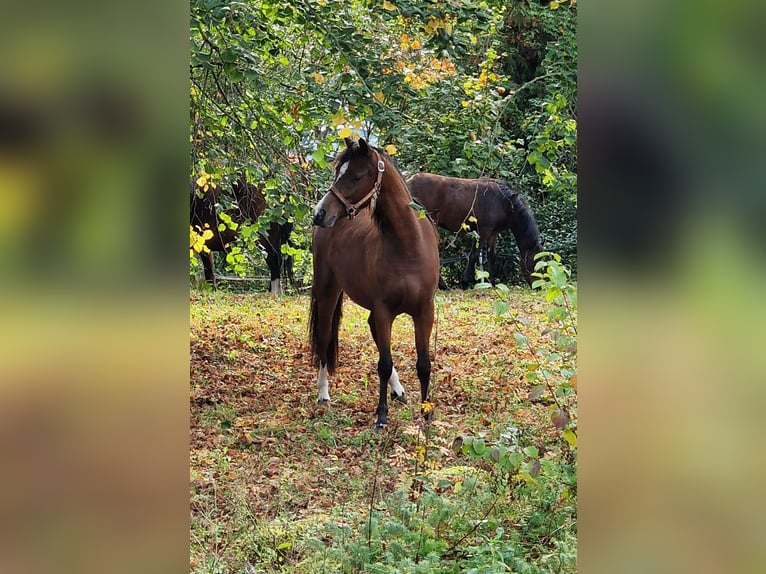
[[318, 354]]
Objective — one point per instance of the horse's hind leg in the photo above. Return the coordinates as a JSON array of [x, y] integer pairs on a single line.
[[423, 324], [469, 275], [491, 244], [326, 312], [397, 391]]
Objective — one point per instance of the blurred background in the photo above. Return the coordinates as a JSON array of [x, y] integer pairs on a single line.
[[94, 148], [672, 134], [93, 287]]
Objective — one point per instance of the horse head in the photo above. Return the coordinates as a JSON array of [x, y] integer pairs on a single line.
[[358, 174]]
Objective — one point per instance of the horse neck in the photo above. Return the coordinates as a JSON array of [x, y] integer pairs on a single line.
[[523, 225], [393, 204], [250, 200]]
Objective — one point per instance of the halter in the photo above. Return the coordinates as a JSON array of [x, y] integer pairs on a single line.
[[352, 209]]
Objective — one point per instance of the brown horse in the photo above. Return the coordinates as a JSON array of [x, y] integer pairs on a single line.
[[452, 202], [250, 205], [370, 244]]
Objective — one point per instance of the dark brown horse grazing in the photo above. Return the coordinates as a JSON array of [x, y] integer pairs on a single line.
[[369, 243], [251, 204], [452, 201]]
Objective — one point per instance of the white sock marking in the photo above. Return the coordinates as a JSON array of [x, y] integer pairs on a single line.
[[323, 384], [396, 386]]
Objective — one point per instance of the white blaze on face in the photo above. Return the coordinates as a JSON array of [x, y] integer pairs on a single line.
[[342, 169], [323, 384], [393, 381]]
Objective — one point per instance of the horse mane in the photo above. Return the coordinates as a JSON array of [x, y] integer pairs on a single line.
[[526, 231]]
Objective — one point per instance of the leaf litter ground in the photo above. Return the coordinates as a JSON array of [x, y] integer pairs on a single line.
[[264, 455]]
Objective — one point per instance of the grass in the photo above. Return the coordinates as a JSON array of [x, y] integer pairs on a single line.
[[278, 483]]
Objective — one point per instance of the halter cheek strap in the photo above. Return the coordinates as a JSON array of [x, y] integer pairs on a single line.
[[352, 209]]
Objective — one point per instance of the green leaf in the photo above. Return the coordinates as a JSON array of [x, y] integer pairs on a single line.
[[530, 451], [521, 340], [479, 447], [500, 308]]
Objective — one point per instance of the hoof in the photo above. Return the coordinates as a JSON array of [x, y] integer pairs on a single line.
[[323, 401], [399, 398]]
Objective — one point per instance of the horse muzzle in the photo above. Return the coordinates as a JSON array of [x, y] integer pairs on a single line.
[[326, 212], [323, 219]]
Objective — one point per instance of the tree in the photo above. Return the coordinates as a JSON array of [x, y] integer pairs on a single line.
[[468, 89]]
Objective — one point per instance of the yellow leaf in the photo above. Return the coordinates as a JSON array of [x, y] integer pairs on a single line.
[[318, 78], [345, 132], [570, 437], [202, 181], [388, 5], [415, 45], [472, 219], [338, 119], [379, 97], [391, 149]]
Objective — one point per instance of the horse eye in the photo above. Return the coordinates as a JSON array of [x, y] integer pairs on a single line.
[[357, 177]]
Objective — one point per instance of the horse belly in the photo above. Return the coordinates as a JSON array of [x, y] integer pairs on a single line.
[[359, 287]]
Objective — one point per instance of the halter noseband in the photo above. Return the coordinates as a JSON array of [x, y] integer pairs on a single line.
[[353, 208]]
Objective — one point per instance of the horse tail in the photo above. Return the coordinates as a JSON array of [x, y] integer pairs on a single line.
[[332, 346]]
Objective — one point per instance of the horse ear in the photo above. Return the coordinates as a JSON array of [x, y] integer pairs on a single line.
[[349, 142], [363, 145]]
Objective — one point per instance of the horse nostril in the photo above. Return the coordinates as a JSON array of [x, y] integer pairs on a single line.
[[319, 217]]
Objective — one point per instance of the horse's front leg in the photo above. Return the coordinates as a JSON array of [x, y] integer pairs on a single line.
[[423, 325], [209, 267], [273, 258], [397, 390], [380, 324]]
